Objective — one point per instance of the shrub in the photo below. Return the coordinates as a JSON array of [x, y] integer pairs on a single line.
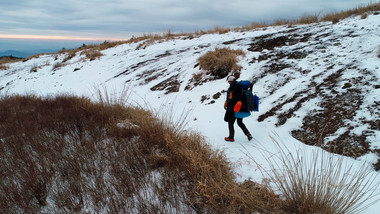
[[220, 62], [321, 182], [66, 154]]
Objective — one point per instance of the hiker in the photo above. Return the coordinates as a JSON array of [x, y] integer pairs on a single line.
[[234, 103]]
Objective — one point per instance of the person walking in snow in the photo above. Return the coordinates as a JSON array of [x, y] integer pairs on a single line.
[[235, 110]]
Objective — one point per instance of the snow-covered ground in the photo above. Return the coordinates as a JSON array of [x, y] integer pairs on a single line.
[[304, 56]]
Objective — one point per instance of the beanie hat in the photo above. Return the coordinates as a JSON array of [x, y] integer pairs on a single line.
[[231, 78]]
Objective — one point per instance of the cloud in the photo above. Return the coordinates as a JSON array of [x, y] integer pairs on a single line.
[[122, 18]]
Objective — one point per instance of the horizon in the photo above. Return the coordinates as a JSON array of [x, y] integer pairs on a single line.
[[72, 23], [22, 48], [27, 45]]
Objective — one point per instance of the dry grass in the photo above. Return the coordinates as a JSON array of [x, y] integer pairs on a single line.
[[115, 96], [66, 154], [364, 16], [305, 19], [69, 54], [58, 65], [321, 182], [221, 62], [92, 54], [334, 17], [6, 60], [3, 67]]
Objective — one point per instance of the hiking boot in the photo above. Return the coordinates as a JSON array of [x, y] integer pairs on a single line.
[[229, 139], [249, 136]]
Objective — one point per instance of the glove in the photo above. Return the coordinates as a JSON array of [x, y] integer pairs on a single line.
[[225, 105], [237, 106]]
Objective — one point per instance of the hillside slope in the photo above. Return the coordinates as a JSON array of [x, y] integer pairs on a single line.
[[318, 84], [327, 75]]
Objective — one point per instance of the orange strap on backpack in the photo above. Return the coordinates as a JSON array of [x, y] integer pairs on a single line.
[[237, 106]]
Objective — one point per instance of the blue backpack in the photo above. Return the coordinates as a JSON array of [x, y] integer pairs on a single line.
[[252, 101]]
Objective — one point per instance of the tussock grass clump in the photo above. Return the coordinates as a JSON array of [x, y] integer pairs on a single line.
[[321, 182], [221, 62], [67, 154]]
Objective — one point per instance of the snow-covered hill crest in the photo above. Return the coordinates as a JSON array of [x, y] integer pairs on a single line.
[[317, 82]]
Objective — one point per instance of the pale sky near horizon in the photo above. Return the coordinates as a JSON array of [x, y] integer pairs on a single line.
[[120, 19]]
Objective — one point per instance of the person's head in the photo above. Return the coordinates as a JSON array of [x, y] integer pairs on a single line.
[[230, 79]]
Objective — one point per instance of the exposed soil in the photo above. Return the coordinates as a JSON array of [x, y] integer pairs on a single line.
[[170, 85], [270, 41]]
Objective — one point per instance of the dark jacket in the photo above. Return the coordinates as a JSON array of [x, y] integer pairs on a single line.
[[233, 95]]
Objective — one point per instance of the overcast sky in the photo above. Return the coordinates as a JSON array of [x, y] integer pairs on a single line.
[[123, 18], [120, 19]]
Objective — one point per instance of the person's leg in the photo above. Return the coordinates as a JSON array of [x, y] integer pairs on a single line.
[[231, 128], [244, 128]]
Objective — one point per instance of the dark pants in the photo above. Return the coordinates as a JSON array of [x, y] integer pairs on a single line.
[[240, 124]]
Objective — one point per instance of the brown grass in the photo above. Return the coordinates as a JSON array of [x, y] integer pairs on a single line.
[[58, 65], [3, 67], [221, 62], [6, 60], [69, 54], [364, 16], [320, 182], [67, 154], [305, 19], [92, 54], [334, 17]]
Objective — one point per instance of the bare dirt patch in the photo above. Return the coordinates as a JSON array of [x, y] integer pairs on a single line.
[[171, 85], [270, 42]]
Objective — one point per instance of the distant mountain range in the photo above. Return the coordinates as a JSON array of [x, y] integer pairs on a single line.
[[24, 54]]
